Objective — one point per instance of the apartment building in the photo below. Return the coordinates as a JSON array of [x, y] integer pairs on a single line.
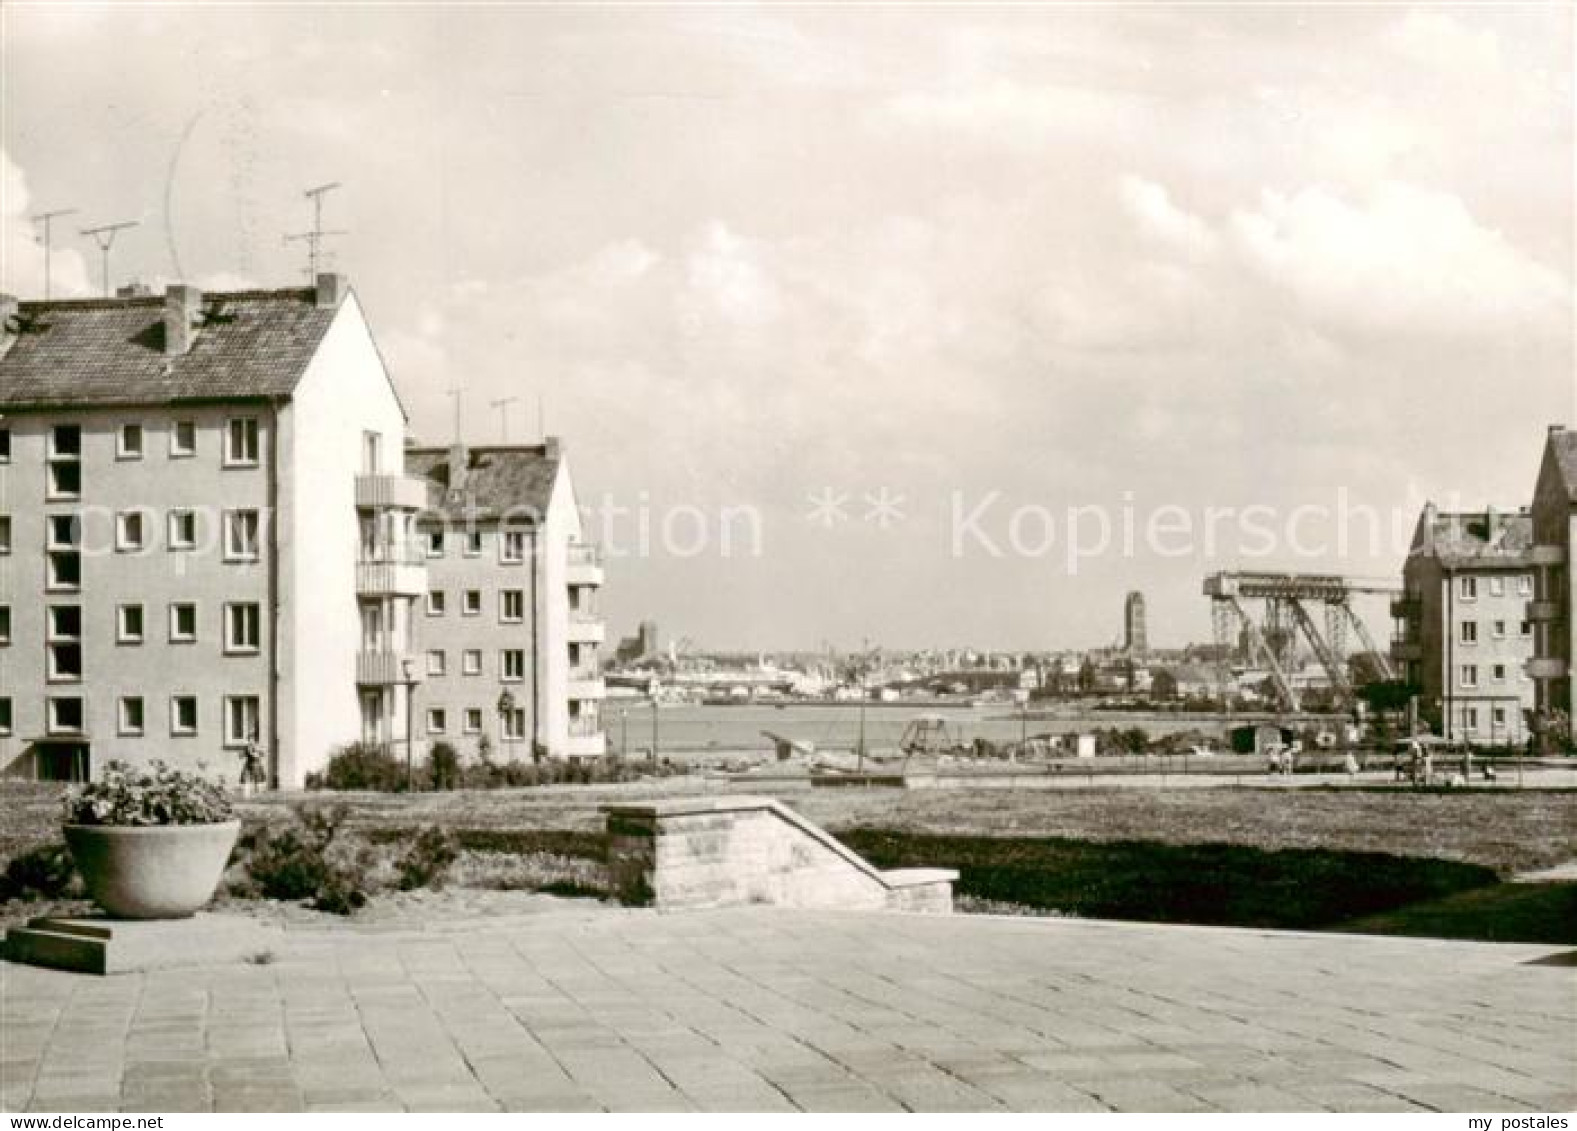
[[1463, 636], [1555, 584], [509, 629], [206, 539]]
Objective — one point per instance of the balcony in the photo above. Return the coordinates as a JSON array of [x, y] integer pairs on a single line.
[[391, 571], [586, 628], [1405, 608], [583, 564], [589, 745], [385, 669], [1547, 667], [1543, 612], [385, 492], [1407, 651], [1548, 554], [585, 686]]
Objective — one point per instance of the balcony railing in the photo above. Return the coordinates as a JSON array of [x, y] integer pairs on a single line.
[[583, 564], [384, 668], [1547, 554], [1543, 611], [393, 553], [582, 553], [392, 577], [585, 728], [380, 492], [1546, 667], [1405, 608]]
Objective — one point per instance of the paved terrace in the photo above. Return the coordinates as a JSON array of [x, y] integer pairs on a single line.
[[759, 1009]]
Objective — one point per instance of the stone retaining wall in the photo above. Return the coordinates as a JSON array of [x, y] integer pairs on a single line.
[[717, 852]]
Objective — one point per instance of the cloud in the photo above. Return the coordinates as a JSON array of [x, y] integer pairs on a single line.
[[22, 253], [1151, 206]]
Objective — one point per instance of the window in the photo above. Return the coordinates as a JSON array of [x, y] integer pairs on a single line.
[[437, 720], [1470, 632], [65, 716], [511, 605], [241, 442], [1498, 716], [1527, 628], [183, 715], [1497, 587], [128, 443], [512, 664], [371, 453], [436, 662], [5, 534], [473, 720], [243, 627], [243, 715], [5, 715], [1470, 718], [65, 532], [128, 624], [65, 622], [65, 572], [241, 536], [183, 439], [183, 530], [65, 480], [512, 546], [473, 543], [1469, 675], [64, 663], [65, 442], [5, 624], [130, 716], [5, 445], [471, 661], [1498, 673], [435, 602], [1467, 588], [514, 724], [1525, 585], [1498, 630], [183, 623], [129, 530], [471, 602], [435, 543]]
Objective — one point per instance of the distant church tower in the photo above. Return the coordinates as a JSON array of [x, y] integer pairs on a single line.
[[1134, 642]]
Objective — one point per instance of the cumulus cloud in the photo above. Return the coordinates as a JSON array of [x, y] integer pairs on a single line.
[[22, 253], [1151, 206]]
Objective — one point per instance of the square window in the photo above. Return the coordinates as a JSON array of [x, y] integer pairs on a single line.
[[183, 439], [1498, 630], [183, 716], [65, 442], [65, 716], [242, 536], [1499, 715], [1499, 673], [471, 661], [243, 719], [65, 622], [1527, 628], [435, 602], [65, 480], [471, 603], [435, 543], [512, 546], [512, 605], [473, 543], [5, 624], [129, 530], [128, 624], [128, 443], [437, 720], [512, 665], [130, 715], [5, 715], [243, 628], [65, 571], [183, 530], [241, 445], [65, 532], [473, 720], [436, 662], [183, 623]]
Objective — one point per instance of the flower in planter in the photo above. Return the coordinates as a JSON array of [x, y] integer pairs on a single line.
[[159, 795]]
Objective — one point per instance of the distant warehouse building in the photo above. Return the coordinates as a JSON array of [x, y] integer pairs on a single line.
[[1463, 635]]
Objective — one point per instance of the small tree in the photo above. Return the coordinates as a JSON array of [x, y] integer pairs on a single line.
[[443, 766]]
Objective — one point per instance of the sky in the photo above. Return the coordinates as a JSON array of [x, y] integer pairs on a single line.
[[927, 325]]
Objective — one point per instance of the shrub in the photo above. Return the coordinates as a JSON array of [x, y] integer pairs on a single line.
[[427, 861], [443, 766], [159, 795], [309, 859], [362, 765], [45, 872]]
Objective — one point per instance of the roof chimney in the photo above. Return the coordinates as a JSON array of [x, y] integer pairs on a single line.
[[459, 467], [134, 290], [331, 290], [551, 447], [1557, 428], [181, 305]]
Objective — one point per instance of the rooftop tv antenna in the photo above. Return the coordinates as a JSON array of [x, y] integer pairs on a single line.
[[44, 218], [316, 255], [503, 416], [104, 235]]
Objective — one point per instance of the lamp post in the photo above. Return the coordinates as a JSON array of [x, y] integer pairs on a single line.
[[506, 707], [409, 683]]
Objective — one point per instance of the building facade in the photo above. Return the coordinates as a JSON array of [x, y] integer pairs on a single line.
[[510, 629], [1135, 642], [1463, 638], [207, 542], [1555, 585]]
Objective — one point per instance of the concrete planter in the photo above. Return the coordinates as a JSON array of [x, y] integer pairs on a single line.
[[154, 871]]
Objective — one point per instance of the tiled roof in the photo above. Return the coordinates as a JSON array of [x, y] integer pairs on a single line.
[[498, 479], [1471, 538], [1564, 446], [111, 351]]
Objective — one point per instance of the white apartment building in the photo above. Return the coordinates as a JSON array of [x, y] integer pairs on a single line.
[[206, 535]]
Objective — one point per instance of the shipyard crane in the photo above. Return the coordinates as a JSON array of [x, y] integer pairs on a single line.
[[1286, 600]]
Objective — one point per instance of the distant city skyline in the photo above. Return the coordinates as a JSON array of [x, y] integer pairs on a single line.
[[925, 295]]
